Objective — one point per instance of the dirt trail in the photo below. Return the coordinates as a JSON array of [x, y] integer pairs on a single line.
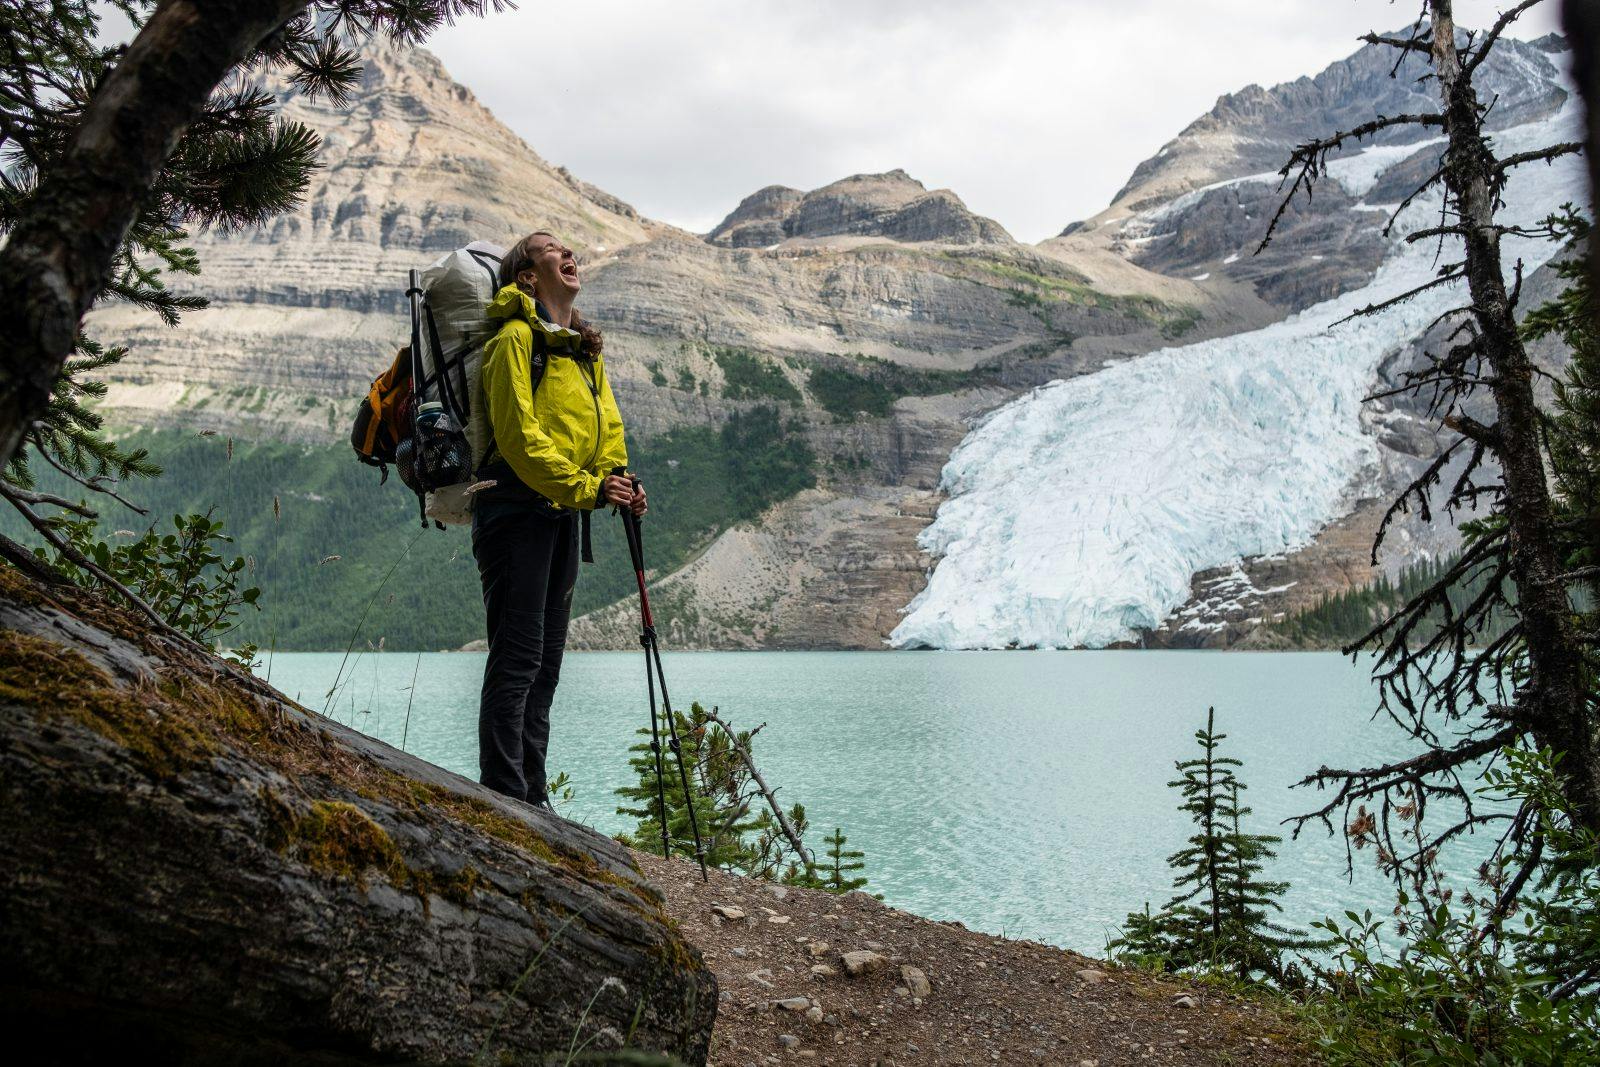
[[935, 993]]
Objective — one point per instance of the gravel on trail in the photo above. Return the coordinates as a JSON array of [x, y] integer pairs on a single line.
[[810, 977]]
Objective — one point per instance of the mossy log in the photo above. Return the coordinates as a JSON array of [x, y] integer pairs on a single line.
[[195, 869]]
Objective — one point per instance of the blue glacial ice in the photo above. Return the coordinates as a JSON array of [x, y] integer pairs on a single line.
[[1077, 515]]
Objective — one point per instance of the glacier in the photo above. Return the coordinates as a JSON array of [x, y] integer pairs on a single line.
[[1078, 514]]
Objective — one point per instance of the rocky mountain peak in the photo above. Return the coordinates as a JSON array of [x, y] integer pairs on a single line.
[[413, 165], [1253, 130], [891, 205]]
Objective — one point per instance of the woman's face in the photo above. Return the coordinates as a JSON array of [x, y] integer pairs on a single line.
[[554, 270]]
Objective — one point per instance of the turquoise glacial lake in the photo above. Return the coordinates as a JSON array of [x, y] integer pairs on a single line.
[[1022, 793]]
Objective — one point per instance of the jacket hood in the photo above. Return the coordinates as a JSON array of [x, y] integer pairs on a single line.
[[512, 303]]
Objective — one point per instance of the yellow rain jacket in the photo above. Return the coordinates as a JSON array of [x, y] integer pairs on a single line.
[[564, 437]]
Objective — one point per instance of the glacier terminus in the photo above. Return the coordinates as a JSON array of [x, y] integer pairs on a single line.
[[1078, 514]]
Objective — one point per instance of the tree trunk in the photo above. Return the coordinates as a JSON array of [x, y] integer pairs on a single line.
[[1552, 704], [59, 256], [1581, 19], [197, 868]]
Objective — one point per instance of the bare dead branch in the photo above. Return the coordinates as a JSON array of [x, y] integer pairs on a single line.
[[1576, 982], [1366, 782], [1547, 155], [1472, 429], [761, 783], [1311, 158], [94, 484], [1409, 44], [78, 559], [36, 498], [1578, 575], [1481, 51], [1410, 198], [1451, 273], [1418, 490]]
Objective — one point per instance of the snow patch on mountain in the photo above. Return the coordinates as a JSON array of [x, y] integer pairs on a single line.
[[1078, 515], [1358, 172]]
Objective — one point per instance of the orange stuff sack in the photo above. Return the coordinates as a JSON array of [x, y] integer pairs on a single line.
[[384, 418]]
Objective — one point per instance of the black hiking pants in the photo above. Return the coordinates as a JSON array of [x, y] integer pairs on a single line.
[[528, 561]]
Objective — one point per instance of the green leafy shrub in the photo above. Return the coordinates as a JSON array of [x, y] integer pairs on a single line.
[[1510, 975], [183, 575]]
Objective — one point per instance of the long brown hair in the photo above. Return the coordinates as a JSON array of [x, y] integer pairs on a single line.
[[518, 258]]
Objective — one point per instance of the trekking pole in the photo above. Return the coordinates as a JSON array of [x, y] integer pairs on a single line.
[[414, 298], [653, 673]]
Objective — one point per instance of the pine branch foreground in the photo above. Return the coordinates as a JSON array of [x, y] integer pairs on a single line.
[[59, 257], [64, 245]]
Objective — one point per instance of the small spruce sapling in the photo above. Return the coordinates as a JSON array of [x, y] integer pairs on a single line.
[[738, 835], [1219, 917], [838, 874], [715, 782]]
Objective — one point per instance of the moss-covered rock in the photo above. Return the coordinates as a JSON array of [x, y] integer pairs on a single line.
[[193, 865]]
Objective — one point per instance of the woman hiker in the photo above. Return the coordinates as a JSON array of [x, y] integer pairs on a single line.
[[555, 440]]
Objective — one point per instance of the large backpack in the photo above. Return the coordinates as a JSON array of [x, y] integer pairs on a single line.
[[442, 365]]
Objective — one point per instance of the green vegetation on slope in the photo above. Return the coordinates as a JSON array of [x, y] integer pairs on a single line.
[[1037, 291], [748, 376], [321, 534], [872, 385], [1340, 619]]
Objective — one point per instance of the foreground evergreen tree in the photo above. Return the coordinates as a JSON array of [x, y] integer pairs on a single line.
[[1508, 974], [1220, 917], [110, 155], [1537, 677]]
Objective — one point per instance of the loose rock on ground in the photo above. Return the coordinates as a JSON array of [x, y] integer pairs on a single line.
[[926, 992]]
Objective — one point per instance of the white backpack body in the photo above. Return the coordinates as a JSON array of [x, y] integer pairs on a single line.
[[449, 329]]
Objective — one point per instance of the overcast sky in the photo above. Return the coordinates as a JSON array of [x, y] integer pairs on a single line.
[[1033, 111]]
